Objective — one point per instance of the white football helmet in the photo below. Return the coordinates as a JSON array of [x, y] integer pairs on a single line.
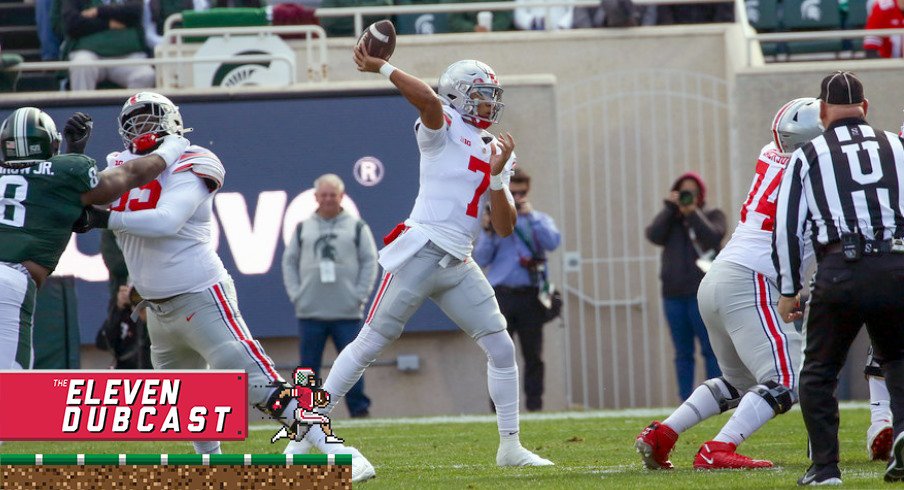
[[467, 83], [796, 123], [148, 113]]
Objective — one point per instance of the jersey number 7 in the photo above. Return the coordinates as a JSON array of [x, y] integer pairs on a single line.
[[478, 165]]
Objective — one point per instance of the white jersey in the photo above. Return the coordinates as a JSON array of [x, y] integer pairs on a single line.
[[164, 227], [751, 243], [454, 190]]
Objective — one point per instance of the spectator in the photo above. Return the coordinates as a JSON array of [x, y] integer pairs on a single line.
[[8, 78], [50, 42], [613, 13], [689, 236], [534, 18], [467, 21], [885, 14], [97, 30], [695, 13], [155, 13], [516, 268], [125, 338], [345, 26], [329, 268]]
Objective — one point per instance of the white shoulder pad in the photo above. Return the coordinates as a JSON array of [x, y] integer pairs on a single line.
[[203, 163], [111, 158]]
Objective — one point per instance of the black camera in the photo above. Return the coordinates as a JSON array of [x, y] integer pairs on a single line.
[[686, 197]]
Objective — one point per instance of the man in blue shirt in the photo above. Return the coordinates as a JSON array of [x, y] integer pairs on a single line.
[[516, 267]]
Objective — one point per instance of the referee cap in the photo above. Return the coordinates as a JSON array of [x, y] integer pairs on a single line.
[[841, 88]]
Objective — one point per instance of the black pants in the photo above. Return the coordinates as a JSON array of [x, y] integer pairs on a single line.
[[847, 295], [524, 314]]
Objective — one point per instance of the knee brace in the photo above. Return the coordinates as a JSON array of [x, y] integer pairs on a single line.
[[779, 397], [499, 348], [725, 403]]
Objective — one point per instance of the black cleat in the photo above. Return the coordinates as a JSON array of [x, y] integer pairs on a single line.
[[895, 470], [828, 474]]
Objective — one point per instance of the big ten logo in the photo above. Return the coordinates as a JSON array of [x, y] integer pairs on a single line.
[[368, 171], [251, 241]]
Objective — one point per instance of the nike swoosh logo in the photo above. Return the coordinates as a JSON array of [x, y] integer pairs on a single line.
[[189, 317], [708, 460], [875, 404]]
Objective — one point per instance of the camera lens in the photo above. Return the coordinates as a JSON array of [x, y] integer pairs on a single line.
[[685, 197]]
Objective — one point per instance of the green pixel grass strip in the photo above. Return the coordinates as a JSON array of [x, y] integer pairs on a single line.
[[175, 459]]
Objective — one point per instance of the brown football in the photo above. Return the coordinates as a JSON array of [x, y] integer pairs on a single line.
[[379, 39]]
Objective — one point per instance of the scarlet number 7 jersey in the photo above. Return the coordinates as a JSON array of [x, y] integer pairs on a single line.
[[454, 182]]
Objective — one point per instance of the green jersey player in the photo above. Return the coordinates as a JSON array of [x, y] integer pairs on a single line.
[[42, 196]]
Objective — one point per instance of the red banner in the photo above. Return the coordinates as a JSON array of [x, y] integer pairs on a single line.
[[123, 405]]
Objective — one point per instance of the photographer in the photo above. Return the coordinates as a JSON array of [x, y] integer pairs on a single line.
[[690, 236], [126, 339], [516, 268]]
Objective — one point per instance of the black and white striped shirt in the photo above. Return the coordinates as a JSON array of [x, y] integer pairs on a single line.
[[849, 178]]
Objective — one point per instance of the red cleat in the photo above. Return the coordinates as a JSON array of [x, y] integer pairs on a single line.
[[878, 442], [654, 445], [714, 455]]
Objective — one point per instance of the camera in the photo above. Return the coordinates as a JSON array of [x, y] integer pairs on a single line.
[[686, 197]]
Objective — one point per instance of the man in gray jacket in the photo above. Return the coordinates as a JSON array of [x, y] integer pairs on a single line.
[[329, 268]]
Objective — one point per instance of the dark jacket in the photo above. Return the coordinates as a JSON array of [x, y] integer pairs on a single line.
[[95, 34], [680, 275]]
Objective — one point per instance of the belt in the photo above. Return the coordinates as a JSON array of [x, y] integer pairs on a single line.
[[870, 247], [518, 290], [161, 300]]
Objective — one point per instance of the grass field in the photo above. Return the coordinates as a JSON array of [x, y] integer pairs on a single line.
[[590, 449]]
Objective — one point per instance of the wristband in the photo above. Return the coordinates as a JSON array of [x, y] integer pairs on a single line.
[[387, 69], [496, 182]]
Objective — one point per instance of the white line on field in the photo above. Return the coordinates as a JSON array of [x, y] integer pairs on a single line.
[[470, 419]]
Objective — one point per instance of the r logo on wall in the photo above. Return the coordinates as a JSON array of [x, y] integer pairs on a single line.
[[270, 73]]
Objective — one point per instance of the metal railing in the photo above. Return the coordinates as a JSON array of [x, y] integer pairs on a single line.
[[65, 65], [779, 37], [358, 13], [318, 66]]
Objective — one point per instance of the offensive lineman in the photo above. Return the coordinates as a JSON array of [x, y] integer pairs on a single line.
[[430, 255], [42, 194], [759, 354], [163, 229]]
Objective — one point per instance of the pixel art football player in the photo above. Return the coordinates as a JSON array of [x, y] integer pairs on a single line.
[[310, 396]]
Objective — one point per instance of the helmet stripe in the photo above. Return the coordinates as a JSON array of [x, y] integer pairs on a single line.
[[21, 135], [775, 122]]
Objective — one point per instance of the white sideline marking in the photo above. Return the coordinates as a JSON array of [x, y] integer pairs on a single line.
[[470, 419]]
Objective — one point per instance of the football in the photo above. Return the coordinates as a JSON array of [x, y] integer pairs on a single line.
[[379, 39]]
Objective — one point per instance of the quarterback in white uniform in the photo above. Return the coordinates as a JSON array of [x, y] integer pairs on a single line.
[[164, 231], [462, 167], [759, 355]]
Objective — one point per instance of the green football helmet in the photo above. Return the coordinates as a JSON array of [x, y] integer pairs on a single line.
[[27, 137]]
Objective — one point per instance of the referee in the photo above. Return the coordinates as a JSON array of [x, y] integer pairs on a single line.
[[847, 183]]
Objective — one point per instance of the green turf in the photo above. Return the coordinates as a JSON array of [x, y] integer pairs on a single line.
[[589, 453]]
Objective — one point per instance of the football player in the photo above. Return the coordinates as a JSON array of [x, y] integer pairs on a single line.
[[42, 194], [164, 231], [758, 353], [462, 167]]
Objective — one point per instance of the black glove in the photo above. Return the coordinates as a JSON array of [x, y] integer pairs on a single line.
[[77, 131], [92, 217]]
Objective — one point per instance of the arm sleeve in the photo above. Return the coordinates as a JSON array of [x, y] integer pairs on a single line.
[[178, 202], [790, 217], [367, 264], [545, 229], [485, 248], [431, 141], [709, 227], [290, 273], [658, 230]]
